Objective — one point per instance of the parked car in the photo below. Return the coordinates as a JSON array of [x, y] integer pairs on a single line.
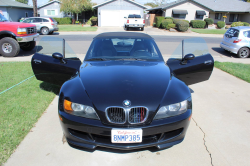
[[15, 35], [237, 41], [44, 25], [124, 95], [135, 21]]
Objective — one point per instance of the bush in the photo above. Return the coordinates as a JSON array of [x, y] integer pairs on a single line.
[[209, 21], [89, 22], [182, 26], [154, 24], [246, 24], [159, 20], [65, 20], [176, 20], [170, 18], [220, 24], [170, 26], [165, 23], [197, 23], [93, 21]]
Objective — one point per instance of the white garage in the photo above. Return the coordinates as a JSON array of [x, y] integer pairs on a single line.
[[112, 13]]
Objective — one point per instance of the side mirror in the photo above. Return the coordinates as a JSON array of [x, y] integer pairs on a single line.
[[57, 55], [186, 58]]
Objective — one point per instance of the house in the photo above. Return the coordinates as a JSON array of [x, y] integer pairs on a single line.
[[14, 10], [112, 12], [234, 10], [52, 9]]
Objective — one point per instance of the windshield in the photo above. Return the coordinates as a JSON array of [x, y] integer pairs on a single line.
[[123, 49], [2, 18], [134, 16]]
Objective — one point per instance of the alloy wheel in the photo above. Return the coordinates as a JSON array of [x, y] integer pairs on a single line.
[[7, 48], [244, 53]]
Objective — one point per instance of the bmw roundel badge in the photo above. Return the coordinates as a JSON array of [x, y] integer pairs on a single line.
[[126, 103]]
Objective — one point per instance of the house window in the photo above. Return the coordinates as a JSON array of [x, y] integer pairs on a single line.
[[218, 16], [51, 12], [179, 15], [234, 17], [26, 14], [200, 14]]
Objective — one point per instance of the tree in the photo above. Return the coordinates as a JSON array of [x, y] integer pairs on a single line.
[[75, 6], [152, 4], [23, 1], [34, 8]]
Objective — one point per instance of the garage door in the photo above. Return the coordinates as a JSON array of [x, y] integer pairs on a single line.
[[115, 17]]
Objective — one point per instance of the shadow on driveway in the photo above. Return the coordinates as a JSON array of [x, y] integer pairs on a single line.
[[224, 52]]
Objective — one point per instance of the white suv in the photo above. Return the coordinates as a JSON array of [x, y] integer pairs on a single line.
[[44, 25]]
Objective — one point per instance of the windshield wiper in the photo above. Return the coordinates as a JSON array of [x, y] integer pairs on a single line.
[[96, 59], [129, 59]]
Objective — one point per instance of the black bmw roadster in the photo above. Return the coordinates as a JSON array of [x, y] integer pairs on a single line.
[[123, 95]]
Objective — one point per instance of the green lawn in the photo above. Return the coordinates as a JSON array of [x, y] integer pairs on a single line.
[[68, 28], [210, 31], [239, 70], [20, 106]]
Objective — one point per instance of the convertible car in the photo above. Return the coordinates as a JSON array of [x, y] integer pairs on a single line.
[[123, 95]]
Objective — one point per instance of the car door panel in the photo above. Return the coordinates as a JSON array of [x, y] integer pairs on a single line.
[[48, 69], [197, 70]]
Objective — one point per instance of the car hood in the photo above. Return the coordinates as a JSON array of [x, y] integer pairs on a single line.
[[17, 24], [109, 83]]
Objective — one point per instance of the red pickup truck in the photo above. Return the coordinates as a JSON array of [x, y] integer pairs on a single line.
[[15, 35]]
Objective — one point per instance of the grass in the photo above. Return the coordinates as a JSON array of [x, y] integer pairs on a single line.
[[68, 28], [20, 106], [239, 70], [210, 31]]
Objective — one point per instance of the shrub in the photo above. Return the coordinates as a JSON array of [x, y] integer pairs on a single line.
[[246, 23], [170, 18], [89, 22], [197, 23], [165, 23], [220, 24], [209, 21], [170, 26], [65, 20], [182, 26], [236, 24], [227, 27], [159, 20], [154, 24], [176, 20]]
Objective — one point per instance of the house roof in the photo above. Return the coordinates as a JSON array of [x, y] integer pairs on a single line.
[[106, 2], [214, 5], [48, 3], [13, 3]]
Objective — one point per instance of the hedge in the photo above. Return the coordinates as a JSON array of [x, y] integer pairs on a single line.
[[182, 26], [170, 18], [170, 26], [65, 20], [236, 24], [220, 24], [159, 20], [197, 23], [176, 20], [209, 21], [165, 23]]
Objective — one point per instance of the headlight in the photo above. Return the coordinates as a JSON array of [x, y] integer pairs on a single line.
[[21, 31], [80, 110], [172, 110]]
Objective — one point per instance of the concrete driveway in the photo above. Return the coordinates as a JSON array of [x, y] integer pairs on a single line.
[[218, 134]]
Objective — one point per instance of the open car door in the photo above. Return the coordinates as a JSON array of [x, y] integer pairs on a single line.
[[54, 69], [191, 62]]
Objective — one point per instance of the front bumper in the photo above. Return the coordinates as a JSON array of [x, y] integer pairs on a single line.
[[229, 48], [135, 25], [90, 134], [27, 38]]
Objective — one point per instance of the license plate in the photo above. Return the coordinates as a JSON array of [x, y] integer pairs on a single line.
[[126, 135], [34, 38]]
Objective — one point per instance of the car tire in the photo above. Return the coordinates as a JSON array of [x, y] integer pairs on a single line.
[[142, 29], [51, 32], [45, 31], [9, 47], [243, 52], [28, 46]]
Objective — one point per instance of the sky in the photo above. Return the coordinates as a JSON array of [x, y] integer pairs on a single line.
[[41, 2]]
